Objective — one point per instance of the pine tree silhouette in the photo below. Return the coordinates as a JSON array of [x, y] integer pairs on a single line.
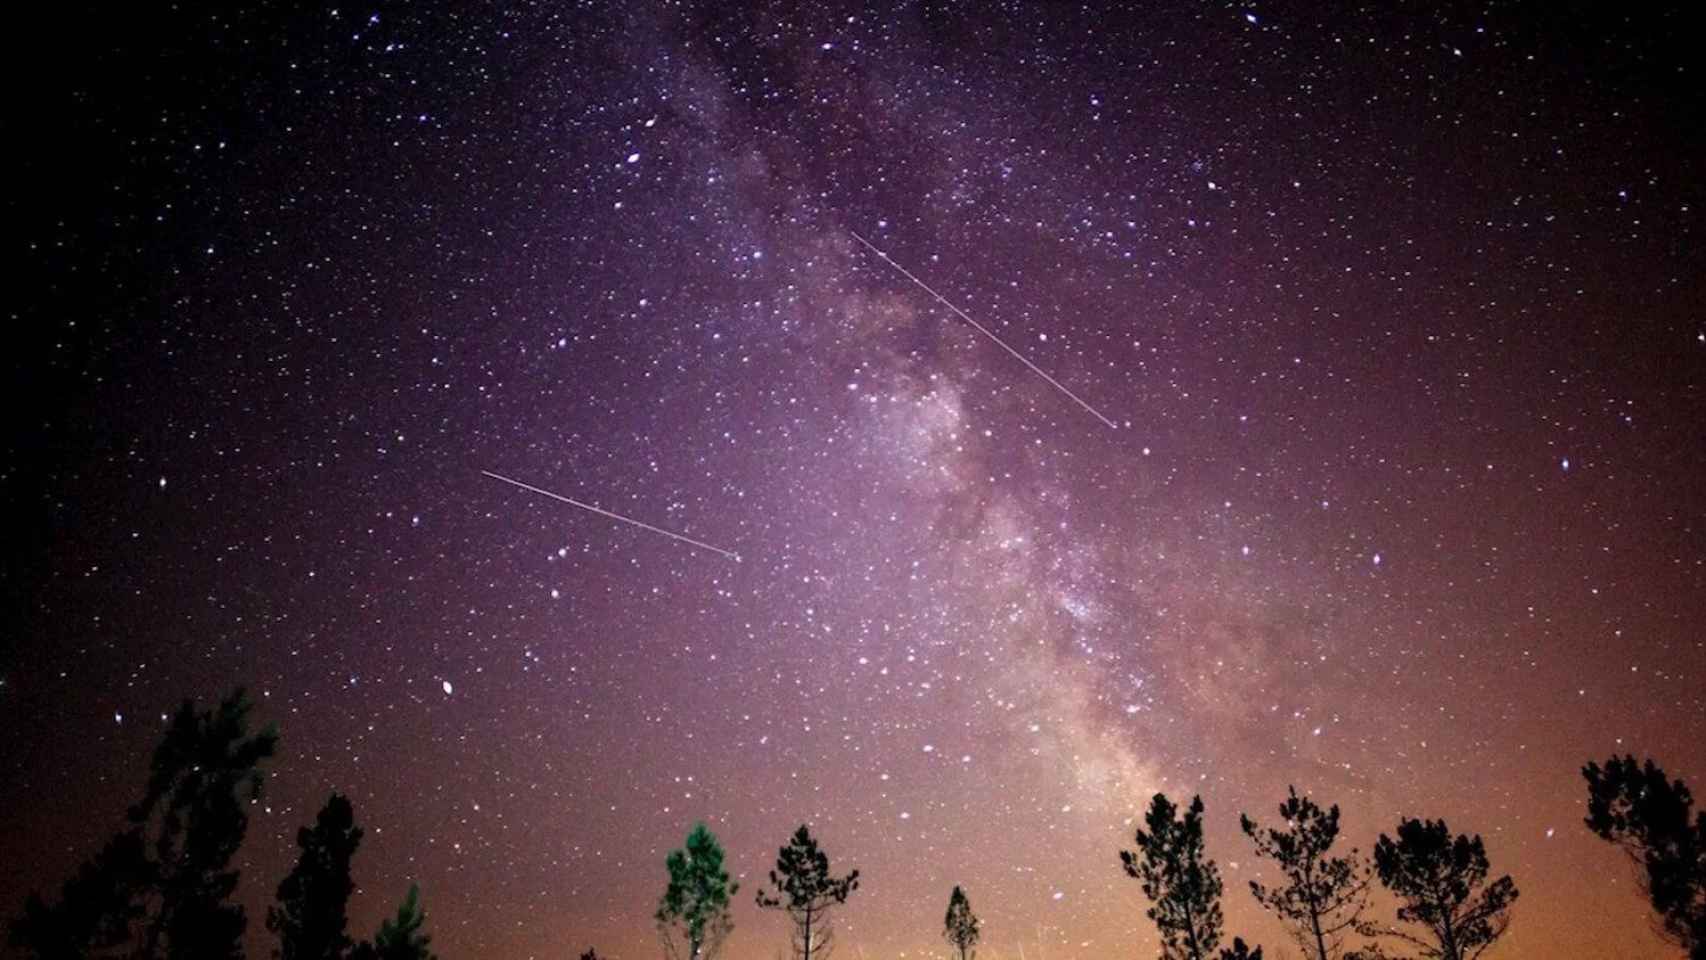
[[806, 890], [162, 887], [312, 918], [400, 937], [98, 907], [204, 776], [1323, 896], [693, 914], [960, 927], [1182, 884], [1440, 881], [1652, 819]]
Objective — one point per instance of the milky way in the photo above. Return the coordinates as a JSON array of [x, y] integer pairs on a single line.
[[1397, 317]]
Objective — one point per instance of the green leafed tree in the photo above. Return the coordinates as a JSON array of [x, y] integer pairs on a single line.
[[693, 917], [960, 927], [161, 889], [1322, 897], [1452, 912], [1653, 820], [804, 889], [1182, 884], [400, 937], [311, 917]]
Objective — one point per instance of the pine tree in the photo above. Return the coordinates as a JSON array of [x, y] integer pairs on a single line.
[[590, 954], [98, 907], [1182, 884], [401, 937], [1323, 896], [161, 889], [693, 914], [806, 890], [1652, 819], [960, 927], [312, 918], [1440, 881], [204, 776]]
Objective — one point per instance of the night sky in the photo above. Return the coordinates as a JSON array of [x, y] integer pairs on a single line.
[[1400, 312]]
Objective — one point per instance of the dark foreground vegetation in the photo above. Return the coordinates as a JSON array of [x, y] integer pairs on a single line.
[[161, 888]]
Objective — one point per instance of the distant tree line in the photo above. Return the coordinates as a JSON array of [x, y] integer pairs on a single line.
[[1449, 904], [161, 888]]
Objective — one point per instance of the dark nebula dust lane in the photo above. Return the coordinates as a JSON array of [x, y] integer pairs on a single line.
[[1399, 317]]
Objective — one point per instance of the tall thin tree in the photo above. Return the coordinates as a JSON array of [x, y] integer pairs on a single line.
[[1652, 819], [312, 915], [1182, 883], [204, 777], [1441, 884], [1323, 896], [693, 914], [961, 927], [805, 890]]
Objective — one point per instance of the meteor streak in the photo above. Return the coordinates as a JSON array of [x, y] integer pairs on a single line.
[[614, 516], [985, 331]]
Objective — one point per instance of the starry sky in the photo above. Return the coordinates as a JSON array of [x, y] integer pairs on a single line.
[[1399, 312]]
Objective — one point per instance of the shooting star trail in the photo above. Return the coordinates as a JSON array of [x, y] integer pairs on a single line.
[[985, 331], [614, 516]]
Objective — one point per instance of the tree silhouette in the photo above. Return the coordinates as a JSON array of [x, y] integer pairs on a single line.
[[1652, 818], [312, 918], [1441, 883], [400, 938], [204, 776], [960, 927], [167, 877], [1323, 896], [806, 890], [693, 914], [1240, 951], [590, 954], [97, 909], [1182, 884]]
